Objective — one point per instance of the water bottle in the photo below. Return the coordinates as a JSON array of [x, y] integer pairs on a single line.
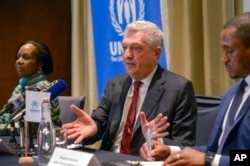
[[45, 135]]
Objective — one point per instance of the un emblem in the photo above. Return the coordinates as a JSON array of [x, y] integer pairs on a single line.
[[34, 106], [123, 12]]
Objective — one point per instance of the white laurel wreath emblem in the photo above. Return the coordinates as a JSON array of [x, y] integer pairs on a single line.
[[115, 24]]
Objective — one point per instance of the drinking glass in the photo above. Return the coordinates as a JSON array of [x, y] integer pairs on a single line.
[[60, 137]]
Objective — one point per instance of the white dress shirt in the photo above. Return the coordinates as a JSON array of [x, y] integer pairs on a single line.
[[142, 93]]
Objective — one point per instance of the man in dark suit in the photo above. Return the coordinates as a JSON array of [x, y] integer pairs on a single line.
[[166, 99], [235, 41]]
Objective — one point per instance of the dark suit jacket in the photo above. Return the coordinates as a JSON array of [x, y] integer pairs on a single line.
[[168, 93], [239, 135]]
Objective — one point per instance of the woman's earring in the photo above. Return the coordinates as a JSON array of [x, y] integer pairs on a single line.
[[39, 70]]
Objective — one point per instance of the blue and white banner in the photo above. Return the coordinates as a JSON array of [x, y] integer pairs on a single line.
[[109, 18]]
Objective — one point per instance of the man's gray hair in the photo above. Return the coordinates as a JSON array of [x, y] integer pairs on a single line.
[[152, 31]]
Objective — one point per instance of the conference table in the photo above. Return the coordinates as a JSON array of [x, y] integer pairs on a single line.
[[106, 158]]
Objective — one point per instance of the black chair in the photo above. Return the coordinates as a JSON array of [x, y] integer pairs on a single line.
[[67, 115], [207, 112]]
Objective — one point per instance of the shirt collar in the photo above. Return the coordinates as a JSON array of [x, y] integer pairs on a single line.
[[146, 81], [247, 79]]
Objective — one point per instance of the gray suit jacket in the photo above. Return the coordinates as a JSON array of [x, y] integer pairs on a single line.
[[168, 93]]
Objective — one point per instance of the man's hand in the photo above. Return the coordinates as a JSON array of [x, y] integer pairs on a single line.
[[83, 127], [187, 156], [159, 151], [158, 126]]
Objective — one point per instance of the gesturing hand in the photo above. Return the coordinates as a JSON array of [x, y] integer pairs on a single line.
[[158, 126], [83, 127]]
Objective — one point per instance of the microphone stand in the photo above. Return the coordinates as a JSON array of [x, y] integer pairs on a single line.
[[32, 150], [20, 149], [12, 142], [21, 125]]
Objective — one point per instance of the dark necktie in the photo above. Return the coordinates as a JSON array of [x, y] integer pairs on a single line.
[[231, 114], [128, 129]]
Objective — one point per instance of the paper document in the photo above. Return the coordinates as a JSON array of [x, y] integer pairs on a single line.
[[132, 163], [146, 163]]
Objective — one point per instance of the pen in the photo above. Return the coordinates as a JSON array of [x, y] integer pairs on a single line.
[[149, 136]]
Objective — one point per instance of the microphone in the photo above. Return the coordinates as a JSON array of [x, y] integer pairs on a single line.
[[55, 88], [18, 116], [15, 101]]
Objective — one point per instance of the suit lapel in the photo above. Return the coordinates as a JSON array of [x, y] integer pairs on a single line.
[[124, 86], [217, 128], [243, 111], [154, 92], [218, 124]]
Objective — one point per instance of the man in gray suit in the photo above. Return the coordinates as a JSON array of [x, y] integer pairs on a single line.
[[166, 99]]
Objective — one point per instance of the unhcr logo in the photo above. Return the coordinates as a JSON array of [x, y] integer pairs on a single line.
[[123, 12], [34, 106]]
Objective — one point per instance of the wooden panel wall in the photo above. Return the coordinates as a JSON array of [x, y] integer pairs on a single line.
[[48, 21]]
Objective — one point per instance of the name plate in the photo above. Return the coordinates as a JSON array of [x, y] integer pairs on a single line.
[[62, 157]]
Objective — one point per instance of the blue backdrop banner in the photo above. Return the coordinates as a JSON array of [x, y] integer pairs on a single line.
[[109, 18]]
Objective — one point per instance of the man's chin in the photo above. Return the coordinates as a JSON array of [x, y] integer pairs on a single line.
[[130, 71], [233, 76]]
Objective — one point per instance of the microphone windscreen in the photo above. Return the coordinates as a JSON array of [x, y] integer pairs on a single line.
[[42, 85], [56, 87], [16, 100]]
